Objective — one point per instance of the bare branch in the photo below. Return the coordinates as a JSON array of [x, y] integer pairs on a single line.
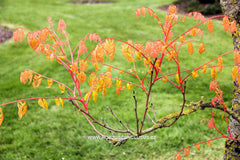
[[110, 110], [150, 118], [148, 96], [135, 109], [107, 126]]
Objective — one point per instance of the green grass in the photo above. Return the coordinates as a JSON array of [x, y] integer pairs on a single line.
[[59, 133]]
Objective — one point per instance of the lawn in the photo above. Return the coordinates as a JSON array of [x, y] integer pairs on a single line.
[[64, 133]]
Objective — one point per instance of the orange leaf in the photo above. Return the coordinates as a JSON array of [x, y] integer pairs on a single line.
[[190, 48], [26, 76], [81, 76], [209, 143], [182, 39], [178, 156], [186, 151], [83, 65], [233, 27], [172, 9], [36, 81], [214, 73], [22, 109], [194, 32], [210, 26], [155, 16], [236, 57], [198, 147], [1, 116], [104, 92], [201, 48], [235, 73], [18, 34], [150, 12], [109, 47], [32, 41], [220, 61], [225, 23], [204, 69], [165, 79], [194, 74], [96, 66]]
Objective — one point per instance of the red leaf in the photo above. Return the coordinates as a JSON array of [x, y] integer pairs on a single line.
[[211, 123], [214, 100], [137, 13], [143, 11]]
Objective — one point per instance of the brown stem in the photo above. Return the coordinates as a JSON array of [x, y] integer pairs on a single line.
[[135, 109], [110, 110], [148, 96], [183, 105], [96, 121]]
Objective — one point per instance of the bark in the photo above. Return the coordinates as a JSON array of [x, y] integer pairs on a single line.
[[231, 8]]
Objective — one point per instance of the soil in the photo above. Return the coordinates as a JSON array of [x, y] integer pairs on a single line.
[[5, 34], [90, 2]]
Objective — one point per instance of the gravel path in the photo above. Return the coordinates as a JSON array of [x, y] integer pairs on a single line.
[[5, 34]]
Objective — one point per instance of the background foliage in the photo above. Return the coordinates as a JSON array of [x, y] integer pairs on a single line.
[[59, 133]]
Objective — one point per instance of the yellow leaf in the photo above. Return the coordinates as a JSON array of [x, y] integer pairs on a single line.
[[22, 109], [95, 95], [50, 83], [177, 78], [204, 69], [129, 86], [43, 103], [209, 143], [118, 83], [1, 116], [62, 88], [59, 102], [195, 74]]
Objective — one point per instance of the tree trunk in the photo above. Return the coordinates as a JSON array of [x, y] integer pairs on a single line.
[[231, 8]]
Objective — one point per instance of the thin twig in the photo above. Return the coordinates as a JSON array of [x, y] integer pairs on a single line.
[[135, 109], [110, 110], [183, 105], [107, 126], [148, 96], [94, 120], [150, 118], [153, 108]]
